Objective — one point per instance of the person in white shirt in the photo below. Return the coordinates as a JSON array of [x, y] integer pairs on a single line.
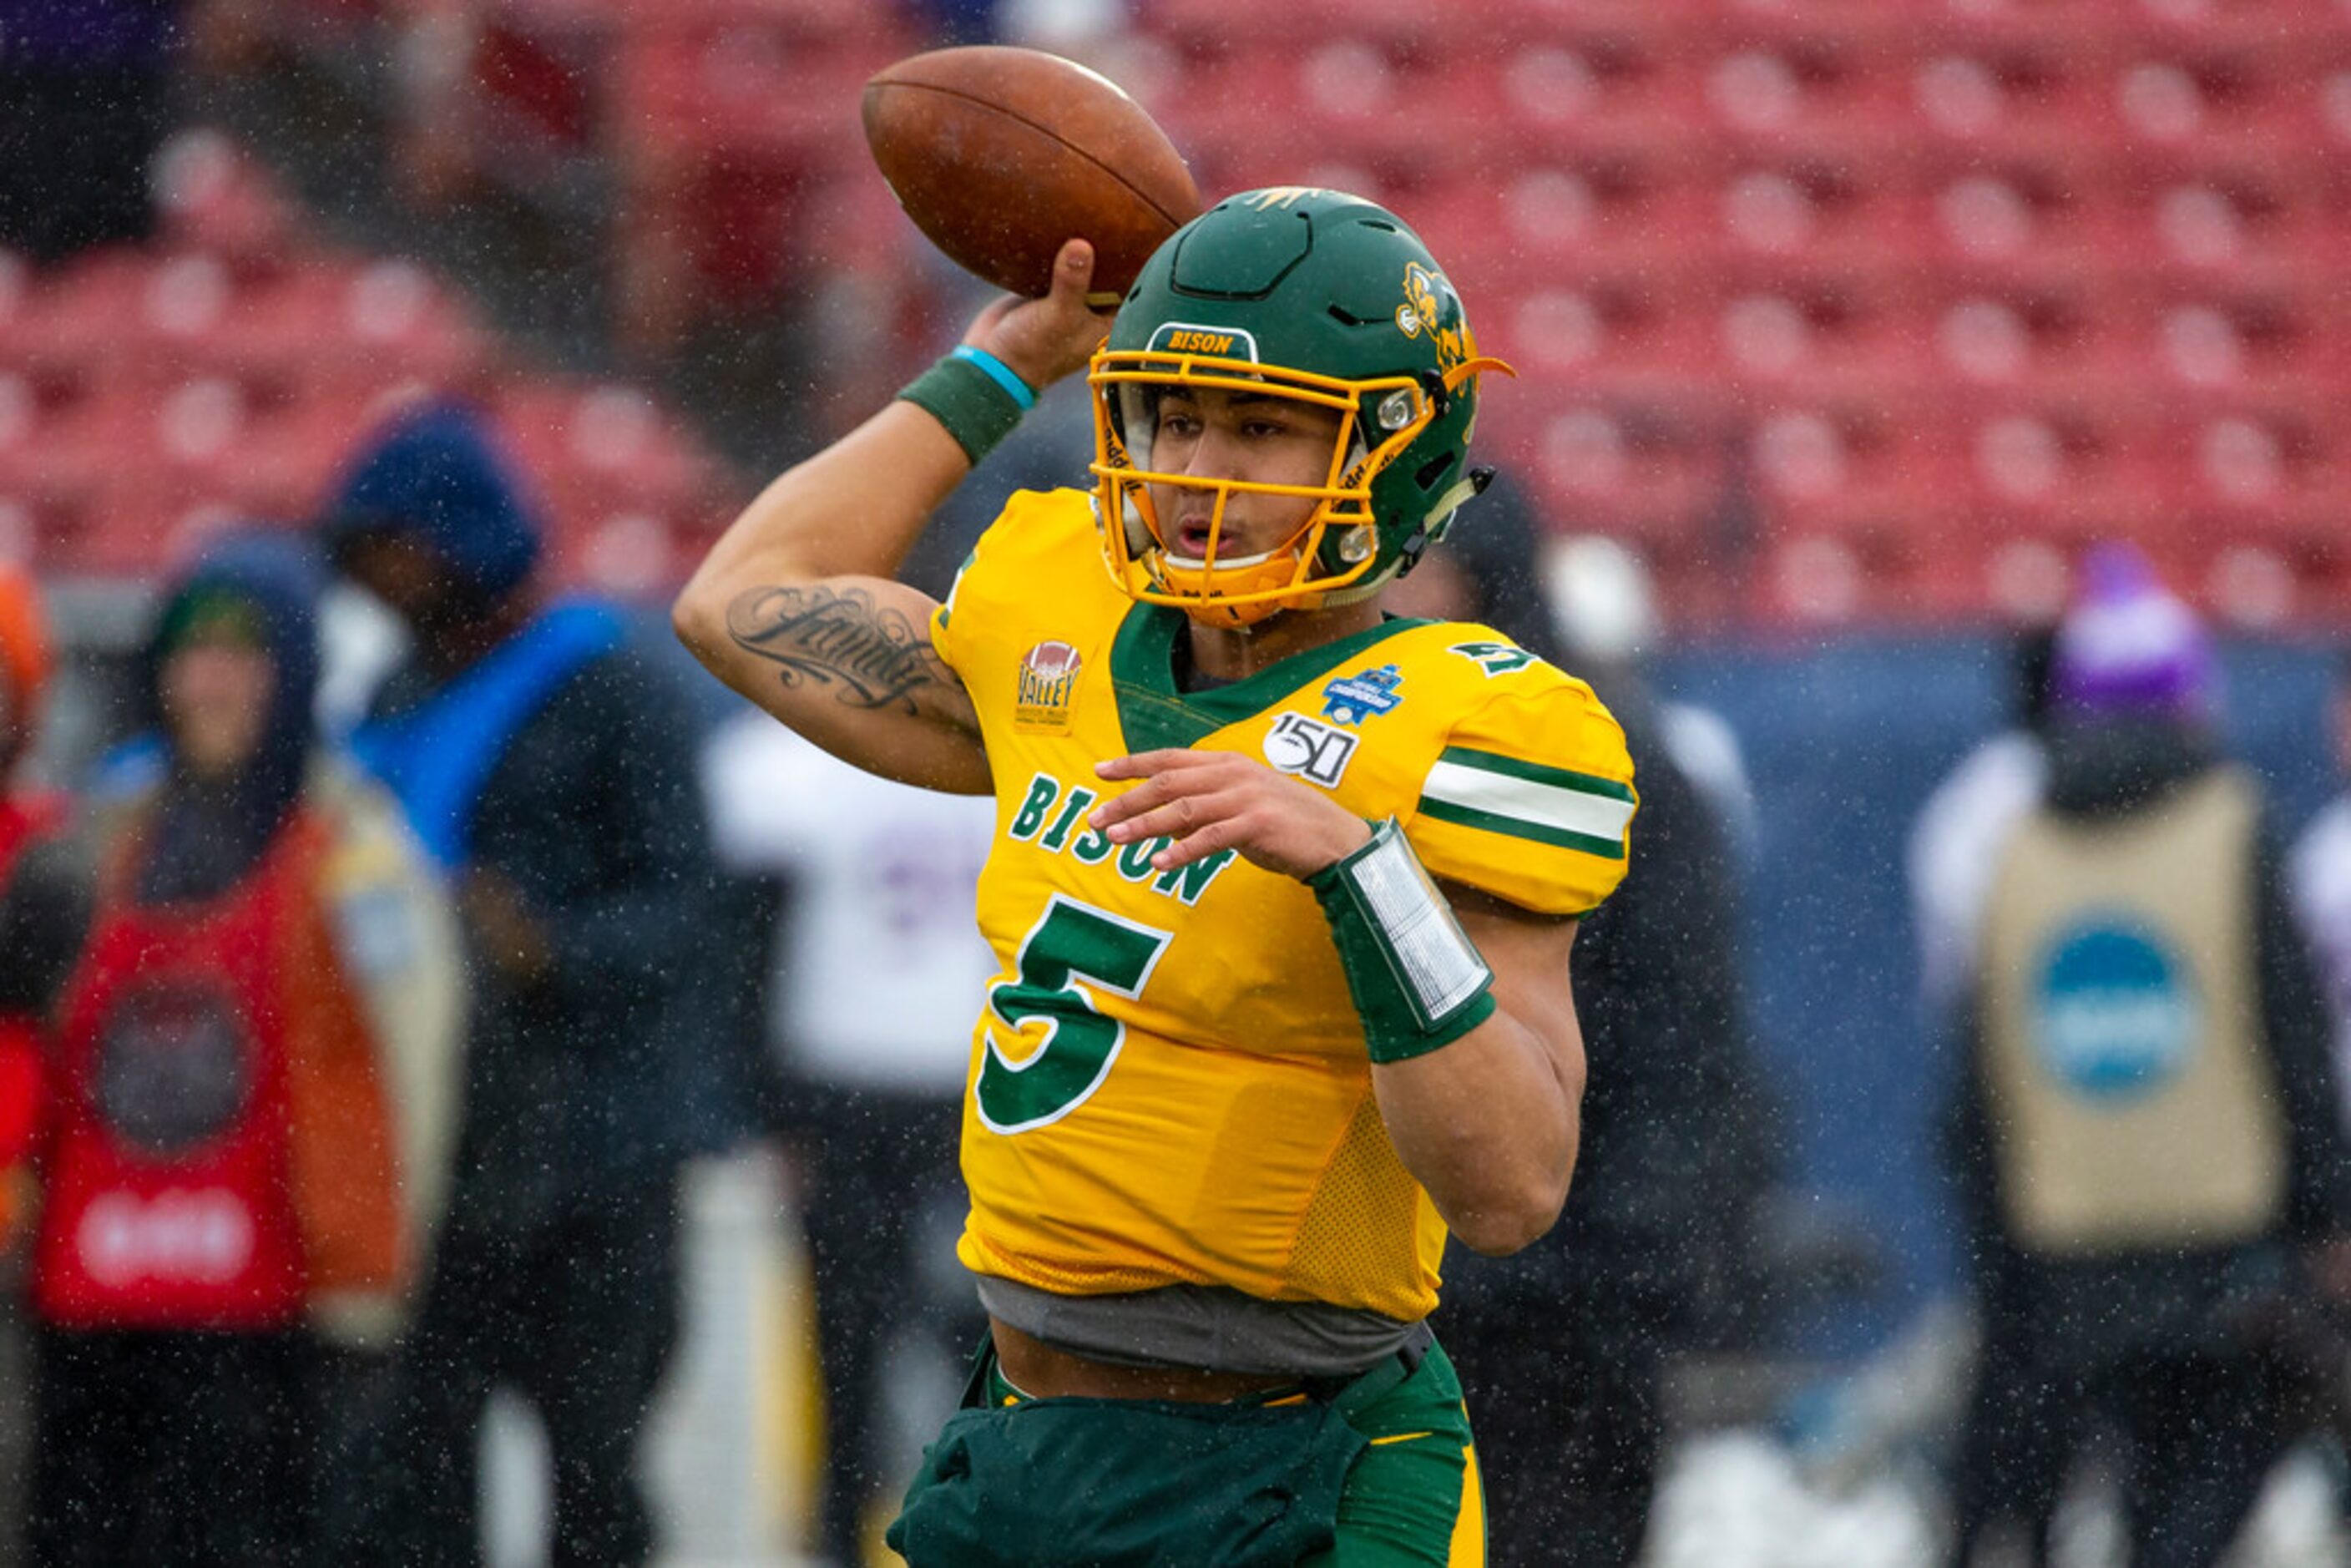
[[1603, 608], [869, 1018], [1956, 840], [2319, 879]]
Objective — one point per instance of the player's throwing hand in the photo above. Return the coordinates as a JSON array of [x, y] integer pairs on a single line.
[[1211, 800], [1041, 340]]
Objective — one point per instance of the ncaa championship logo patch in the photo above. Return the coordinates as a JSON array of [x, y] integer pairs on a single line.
[[2115, 1015], [1048, 681], [1351, 699]]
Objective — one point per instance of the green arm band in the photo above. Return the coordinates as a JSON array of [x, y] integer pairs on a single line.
[[976, 409], [1417, 979]]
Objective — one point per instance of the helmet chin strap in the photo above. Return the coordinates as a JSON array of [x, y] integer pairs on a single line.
[[1356, 593], [1439, 519]]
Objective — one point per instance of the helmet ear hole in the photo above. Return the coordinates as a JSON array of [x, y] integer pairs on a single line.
[[1432, 473]]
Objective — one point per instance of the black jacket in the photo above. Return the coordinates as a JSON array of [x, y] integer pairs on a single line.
[[1678, 1141], [589, 1082]]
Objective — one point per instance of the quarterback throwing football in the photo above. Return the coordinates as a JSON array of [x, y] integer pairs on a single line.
[[1282, 888]]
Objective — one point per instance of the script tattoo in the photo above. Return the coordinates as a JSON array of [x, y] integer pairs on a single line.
[[878, 658]]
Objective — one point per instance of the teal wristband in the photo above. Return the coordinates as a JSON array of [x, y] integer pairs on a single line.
[[1000, 373], [961, 394], [1417, 980]]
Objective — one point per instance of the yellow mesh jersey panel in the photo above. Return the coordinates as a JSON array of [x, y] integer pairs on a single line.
[[1360, 1199], [1169, 1082]]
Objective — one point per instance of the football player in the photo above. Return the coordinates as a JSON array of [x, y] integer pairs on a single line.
[[1282, 888]]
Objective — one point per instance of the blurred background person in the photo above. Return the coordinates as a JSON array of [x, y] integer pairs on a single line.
[[1950, 854], [546, 760], [28, 816], [855, 897], [86, 90], [1601, 605], [1956, 840], [2148, 1138], [2321, 880], [255, 1005], [1563, 1347]]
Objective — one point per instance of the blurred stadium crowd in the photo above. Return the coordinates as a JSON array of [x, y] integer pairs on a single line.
[[1794, 289], [1852, 310], [1845, 329]]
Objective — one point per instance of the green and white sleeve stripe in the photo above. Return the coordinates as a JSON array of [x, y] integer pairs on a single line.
[[1528, 800]]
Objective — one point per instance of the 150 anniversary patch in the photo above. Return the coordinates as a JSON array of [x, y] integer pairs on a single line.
[[1308, 749]]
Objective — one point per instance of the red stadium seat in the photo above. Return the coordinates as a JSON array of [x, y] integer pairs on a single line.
[[1843, 578], [85, 317], [2213, 344], [1210, 29], [2014, 226], [150, 396], [1828, 333], [1587, 101], [53, 456], [744, 93], [1343, 98], [1607, 455], [2265, 586], [1869, 28], [2246, 232], [2212, 26], [2027, 101], [2247, 108], [77, 477], [601, 454], [2060, 336], [805, 21], [1617, 327], [214, 197], [1570, 225], [1608, 28], [719, 134], [1817, 97], [2263, 460], [408, 324], [1772, 219]]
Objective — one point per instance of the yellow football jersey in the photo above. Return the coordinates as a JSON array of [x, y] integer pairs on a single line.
[[1169, 1082]]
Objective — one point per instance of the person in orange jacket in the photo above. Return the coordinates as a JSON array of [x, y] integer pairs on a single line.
[[247, 1058]]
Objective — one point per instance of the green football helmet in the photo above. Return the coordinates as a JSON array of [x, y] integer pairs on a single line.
[[1306, 294]]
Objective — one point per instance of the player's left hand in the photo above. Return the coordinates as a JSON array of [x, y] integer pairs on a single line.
[[1211, 800]]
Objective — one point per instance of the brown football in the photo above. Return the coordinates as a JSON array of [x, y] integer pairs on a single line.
[[1001, 154]]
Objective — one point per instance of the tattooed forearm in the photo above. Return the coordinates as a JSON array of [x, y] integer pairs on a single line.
[[875, 657]]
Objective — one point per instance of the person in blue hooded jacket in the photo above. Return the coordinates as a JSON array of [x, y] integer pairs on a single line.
[[546, 759], [247, 985]]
